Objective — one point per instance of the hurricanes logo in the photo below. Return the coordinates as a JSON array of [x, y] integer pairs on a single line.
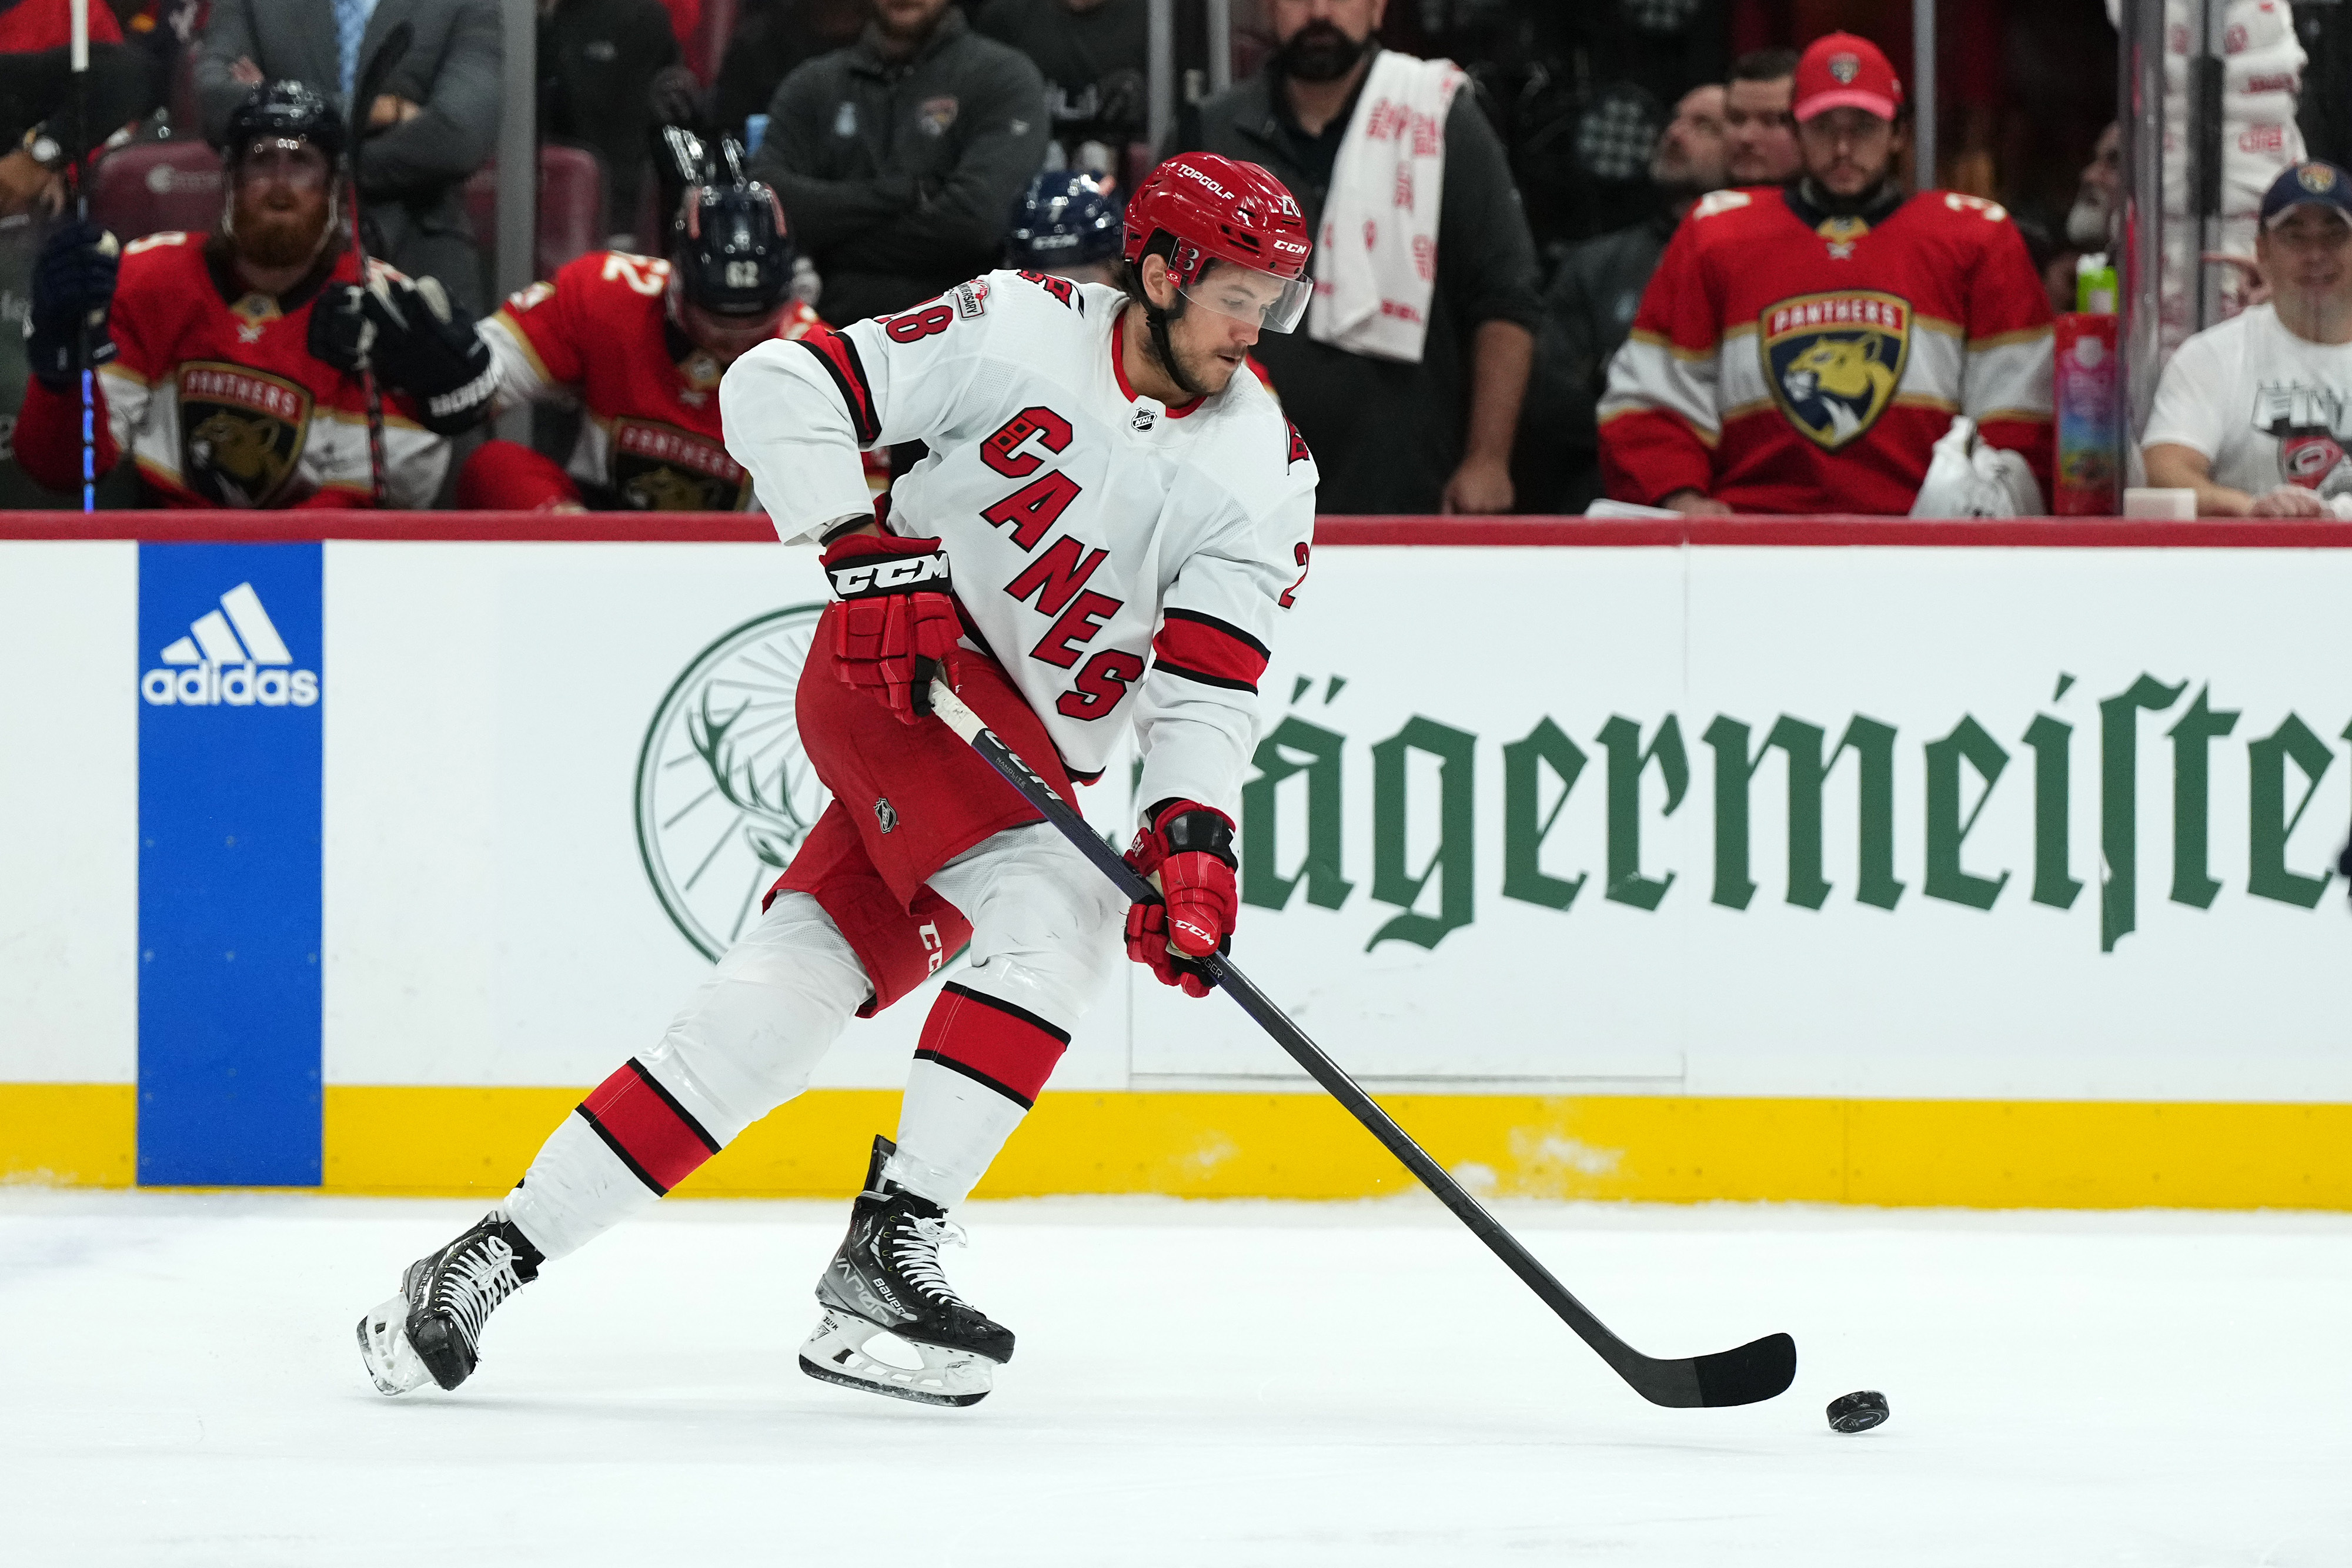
[[240, 432], [725, 793], [1834, 360]]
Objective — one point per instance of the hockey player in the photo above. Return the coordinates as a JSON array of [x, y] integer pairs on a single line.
[[227, 365], [1105, 531], [1801, 350], [640, 344], [1067, 224]]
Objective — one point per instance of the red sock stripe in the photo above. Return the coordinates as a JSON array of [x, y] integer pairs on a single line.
[[1203, 648], [838, 355], [650, 1130], [1010, 1048]]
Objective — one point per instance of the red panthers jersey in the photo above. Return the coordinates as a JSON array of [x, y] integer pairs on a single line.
[[601, 335], [213, 392], [1785, 360]]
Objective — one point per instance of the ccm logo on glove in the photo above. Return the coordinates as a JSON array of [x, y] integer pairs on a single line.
[[866, 579], [1187, 850]]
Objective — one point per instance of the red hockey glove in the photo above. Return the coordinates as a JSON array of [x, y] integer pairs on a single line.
[[898, 626], [1190, 847]]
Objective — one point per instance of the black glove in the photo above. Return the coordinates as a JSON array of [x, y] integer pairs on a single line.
[[676, 97], [73, 288], [406, 332]]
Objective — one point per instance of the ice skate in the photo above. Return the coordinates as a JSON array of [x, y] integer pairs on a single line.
[[432, 1330], [886, 1281]]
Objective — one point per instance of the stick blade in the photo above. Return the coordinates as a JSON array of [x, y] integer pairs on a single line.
[[1755, 1372]]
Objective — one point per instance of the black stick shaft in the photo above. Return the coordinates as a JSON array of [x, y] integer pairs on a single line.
[[1663, 1382]]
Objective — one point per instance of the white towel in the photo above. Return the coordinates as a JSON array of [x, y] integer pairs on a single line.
[[1372, 291]]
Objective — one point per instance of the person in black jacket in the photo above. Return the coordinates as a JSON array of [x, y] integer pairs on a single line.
[[597, 62], [1094, 54], [1388, 435], [1590, 308], [897, 157]]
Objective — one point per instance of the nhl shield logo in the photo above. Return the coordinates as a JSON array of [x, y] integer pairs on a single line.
[[241, 433], [1834, 360]]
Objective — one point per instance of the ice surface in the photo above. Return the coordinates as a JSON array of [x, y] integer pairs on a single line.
[[1228, 1384]]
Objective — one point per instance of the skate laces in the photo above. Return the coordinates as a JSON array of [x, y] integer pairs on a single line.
[[475, 1280], [913, 1248]]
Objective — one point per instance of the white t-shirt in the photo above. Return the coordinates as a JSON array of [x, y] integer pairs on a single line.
[[2265, 407]]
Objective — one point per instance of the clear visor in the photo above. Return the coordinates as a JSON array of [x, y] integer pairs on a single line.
[[1269, 303]]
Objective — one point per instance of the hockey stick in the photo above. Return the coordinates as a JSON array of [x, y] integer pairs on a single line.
[[1753, 1372], [388, 54], [78, 62]]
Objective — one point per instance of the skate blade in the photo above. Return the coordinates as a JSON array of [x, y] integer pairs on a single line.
[[391, 1362], [835, 1352]]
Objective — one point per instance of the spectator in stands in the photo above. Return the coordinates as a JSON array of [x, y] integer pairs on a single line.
[[227, 365], [1065, 224], [2098, 199], [2255, 414], [771, 39], [435, 122], [897, 157], [597, 62], [1094, 54], [1407, 382], [1590, 308], [1804, 349], [1760, 131], [39, 129]]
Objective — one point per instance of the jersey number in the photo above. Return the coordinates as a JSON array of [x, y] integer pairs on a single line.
[[642, 274], [1299, 553], [920, 323], [742, 275]]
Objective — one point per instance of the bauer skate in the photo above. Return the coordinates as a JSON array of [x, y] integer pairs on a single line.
[[432, 1330], [885, 1280]]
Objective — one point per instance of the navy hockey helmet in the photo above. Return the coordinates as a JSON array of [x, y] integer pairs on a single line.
[[1063, 219], [285, 108], [729, 249]]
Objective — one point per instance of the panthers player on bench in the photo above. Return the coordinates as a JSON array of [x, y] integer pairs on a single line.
[[639, 344], [228, 363]]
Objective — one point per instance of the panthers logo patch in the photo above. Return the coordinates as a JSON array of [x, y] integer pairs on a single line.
[[1834, 360], [241, 432], [661, 468]]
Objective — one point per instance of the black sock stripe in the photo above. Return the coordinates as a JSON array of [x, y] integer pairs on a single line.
[[977, 1076], [1230, 684], [621, 1154], [650, 1081], [1001, 1005]]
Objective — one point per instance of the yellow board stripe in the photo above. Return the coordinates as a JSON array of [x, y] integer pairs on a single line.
[[1656, 1148]]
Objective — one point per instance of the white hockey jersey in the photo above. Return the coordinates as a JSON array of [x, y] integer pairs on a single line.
[[1125, 561]]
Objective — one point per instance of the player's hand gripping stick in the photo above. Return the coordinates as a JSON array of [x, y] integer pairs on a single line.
[[895, 626], [1187, 852], [1753, 1372]]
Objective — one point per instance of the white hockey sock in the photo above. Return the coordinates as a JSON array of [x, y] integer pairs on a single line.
[[576, 1189], [950, 1130]]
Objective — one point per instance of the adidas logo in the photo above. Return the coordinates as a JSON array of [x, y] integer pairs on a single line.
[[231, 657]]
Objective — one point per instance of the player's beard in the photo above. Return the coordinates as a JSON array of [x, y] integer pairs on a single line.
[[1320, 52], [277, 227], [1200, 375]]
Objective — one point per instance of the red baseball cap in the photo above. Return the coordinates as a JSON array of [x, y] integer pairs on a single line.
[[1841, 70]]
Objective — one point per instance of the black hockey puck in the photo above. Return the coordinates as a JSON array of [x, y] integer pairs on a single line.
[[1857, 1412]]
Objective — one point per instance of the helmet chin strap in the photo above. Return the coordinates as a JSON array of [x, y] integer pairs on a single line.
[[1157, 319]]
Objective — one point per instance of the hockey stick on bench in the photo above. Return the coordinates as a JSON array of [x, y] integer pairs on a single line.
[[1753, 1372]]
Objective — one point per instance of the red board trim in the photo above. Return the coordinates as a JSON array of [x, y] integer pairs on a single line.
[[193, 527]]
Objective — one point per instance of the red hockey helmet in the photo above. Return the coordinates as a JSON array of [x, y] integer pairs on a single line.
[[1222, 209]]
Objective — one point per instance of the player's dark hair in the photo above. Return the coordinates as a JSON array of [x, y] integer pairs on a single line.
[[1764, 65]]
